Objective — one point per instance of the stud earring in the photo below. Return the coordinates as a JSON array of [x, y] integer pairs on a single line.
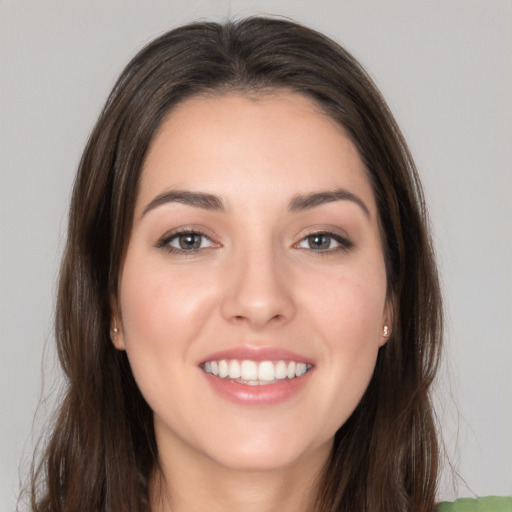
[[385, 331], [115, 330]]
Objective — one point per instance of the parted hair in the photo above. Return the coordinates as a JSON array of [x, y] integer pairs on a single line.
[[101, 448]]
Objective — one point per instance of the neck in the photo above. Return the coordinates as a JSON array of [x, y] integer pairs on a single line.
[[206, 485]]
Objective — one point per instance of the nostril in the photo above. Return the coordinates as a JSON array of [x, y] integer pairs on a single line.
[[244, 318]]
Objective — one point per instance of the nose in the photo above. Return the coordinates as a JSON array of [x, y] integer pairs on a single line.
[[258, 292]]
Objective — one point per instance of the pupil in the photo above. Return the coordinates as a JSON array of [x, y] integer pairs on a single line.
[[190, 241], [319, 241]]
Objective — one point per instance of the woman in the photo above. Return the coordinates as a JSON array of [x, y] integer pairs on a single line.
[[249, 314]]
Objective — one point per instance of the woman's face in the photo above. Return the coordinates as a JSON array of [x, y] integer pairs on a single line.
[[255, 256]]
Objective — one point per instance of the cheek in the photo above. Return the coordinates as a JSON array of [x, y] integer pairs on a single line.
[[159, 306], [348, 318], [351, 307], [161, 318], [354, 336], [352, 348], [162, 314]]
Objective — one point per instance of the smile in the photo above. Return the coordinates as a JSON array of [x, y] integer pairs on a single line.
[[254, 373]]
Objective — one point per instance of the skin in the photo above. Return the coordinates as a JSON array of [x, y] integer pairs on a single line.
[[256, 280]]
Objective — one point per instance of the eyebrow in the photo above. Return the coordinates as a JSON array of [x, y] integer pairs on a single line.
[[196, 199], [213, 202], [305, 202]]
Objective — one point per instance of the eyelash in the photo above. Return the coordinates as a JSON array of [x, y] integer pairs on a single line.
[[344, 244], [164, 242]]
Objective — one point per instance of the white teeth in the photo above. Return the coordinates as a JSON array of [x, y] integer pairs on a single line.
[[248, 370], [290, 372], [234, 369], [266, 371], [223, 368], [253, 373], [280, 370], [301, 369]]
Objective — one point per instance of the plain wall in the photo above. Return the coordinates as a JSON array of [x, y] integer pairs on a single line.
[[445, 68]]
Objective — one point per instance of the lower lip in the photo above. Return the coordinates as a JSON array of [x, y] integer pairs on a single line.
[[266, 394]]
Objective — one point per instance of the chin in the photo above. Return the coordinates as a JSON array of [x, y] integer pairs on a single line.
[[274, 455]]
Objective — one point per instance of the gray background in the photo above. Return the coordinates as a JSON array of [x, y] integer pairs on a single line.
[[445, 68]]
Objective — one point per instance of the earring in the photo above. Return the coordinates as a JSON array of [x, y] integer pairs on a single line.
[[385, 331], [115, 330]]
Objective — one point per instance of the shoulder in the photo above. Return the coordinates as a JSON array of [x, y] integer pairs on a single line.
[[487, 504]]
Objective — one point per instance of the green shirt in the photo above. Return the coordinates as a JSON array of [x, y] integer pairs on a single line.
[[488, 504]]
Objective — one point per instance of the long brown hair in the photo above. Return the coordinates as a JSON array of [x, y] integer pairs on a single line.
[[102, 447]]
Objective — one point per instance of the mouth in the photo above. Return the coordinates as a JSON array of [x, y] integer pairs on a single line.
[[256, 373]]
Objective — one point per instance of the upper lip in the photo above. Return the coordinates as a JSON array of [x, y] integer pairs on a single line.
[[257, 354]]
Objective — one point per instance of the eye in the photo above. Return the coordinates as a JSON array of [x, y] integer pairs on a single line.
[[324, 242], [186, 242]]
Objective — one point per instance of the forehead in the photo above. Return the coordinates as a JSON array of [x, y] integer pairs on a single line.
[[243, 146]]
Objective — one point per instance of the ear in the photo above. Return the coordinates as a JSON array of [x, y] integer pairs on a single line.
[[116, 325], [387, 322]]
